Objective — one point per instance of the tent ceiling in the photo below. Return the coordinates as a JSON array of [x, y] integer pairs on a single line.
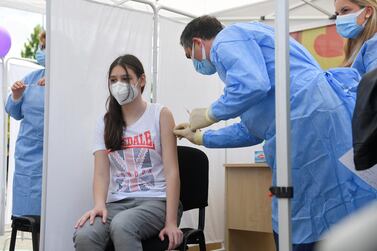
[[303, 14], [196, 7], [26, 5], [236, 8], [266, 9]]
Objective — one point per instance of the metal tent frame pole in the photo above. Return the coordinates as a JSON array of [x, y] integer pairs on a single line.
[[3, 170], [45, 130], [282, 111]]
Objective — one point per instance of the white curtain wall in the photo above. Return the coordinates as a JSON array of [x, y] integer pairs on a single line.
[[180, 87], [84, 38]]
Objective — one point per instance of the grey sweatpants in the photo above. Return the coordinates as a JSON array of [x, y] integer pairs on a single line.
[[129, 221]]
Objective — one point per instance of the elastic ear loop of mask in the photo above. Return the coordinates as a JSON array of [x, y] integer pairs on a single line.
[[357, 14], [204, 57], [131, 89], [193, 52]]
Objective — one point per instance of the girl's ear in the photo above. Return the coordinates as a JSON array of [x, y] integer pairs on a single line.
[[143, 79]]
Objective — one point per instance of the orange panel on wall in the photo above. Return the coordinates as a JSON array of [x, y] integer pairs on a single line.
[[324, 44]]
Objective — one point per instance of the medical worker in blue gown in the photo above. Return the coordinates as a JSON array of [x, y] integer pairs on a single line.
[[243, 55], [26, 103], [357, 22]]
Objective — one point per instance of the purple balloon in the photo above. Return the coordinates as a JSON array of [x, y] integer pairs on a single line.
[[5, 42]]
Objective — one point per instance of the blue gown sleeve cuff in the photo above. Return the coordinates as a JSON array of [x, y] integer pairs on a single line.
[[232, 136], [211, 115], [13, 107], [16, 101]]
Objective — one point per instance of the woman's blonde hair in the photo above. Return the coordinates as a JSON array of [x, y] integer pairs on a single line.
[[353, 45]]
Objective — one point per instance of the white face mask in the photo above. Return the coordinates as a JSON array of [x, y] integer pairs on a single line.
[[124, 93]]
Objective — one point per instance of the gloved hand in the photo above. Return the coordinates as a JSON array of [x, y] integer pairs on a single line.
[[183, 131], [199, 118]]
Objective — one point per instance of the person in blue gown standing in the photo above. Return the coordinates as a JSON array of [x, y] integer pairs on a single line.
[[356, 20], [243, 56], [26, 103]]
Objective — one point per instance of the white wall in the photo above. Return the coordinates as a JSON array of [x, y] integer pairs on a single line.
[[241, 155], [84, 39], [181, 87]]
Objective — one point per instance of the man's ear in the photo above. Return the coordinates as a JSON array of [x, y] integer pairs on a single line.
[[197, 40]]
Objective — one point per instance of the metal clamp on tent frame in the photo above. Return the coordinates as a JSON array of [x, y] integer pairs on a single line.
[[282, 192]]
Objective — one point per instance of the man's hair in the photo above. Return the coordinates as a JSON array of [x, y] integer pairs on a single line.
[[204, 27]]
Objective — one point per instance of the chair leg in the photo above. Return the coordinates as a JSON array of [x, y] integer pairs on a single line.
[[202, 246], [12, 244], [202, 242], [183, 246], [35, 239]]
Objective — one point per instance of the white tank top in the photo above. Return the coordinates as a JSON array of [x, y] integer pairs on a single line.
[[137, 169]]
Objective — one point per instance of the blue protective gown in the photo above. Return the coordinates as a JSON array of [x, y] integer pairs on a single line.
[[325, 191], [366, 59], [27, 180]]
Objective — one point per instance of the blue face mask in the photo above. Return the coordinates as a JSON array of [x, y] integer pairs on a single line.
[[203, 66], [40, 56], [347, 26]]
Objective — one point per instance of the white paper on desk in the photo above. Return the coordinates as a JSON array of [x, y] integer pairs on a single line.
[[369, 175]]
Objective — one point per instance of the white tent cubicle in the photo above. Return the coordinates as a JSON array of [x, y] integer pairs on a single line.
[[81, 48], [80, 51]]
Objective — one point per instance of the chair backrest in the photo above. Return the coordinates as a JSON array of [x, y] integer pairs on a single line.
[[193, 170]]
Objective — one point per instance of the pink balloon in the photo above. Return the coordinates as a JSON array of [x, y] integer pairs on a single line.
[[5, 42]]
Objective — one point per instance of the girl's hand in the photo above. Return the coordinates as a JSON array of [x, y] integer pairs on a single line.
[[91, 215], [175, 236]]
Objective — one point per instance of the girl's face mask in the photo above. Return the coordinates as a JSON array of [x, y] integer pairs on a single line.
[[123, 92]]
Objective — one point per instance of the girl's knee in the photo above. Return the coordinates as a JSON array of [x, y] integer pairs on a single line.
[[124, 229], [88, 234]]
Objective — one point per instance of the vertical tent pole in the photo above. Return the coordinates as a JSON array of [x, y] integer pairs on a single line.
[[3, 171], [46, 126], [282, 111], [155, 51]]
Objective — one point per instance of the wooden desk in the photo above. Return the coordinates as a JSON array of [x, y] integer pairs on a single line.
[[248, 208]]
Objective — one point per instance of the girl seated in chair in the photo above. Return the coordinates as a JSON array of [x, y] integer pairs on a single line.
[[136, 176]]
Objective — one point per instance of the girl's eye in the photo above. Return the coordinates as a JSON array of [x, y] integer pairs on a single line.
[[125, 79], [113, 81]]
